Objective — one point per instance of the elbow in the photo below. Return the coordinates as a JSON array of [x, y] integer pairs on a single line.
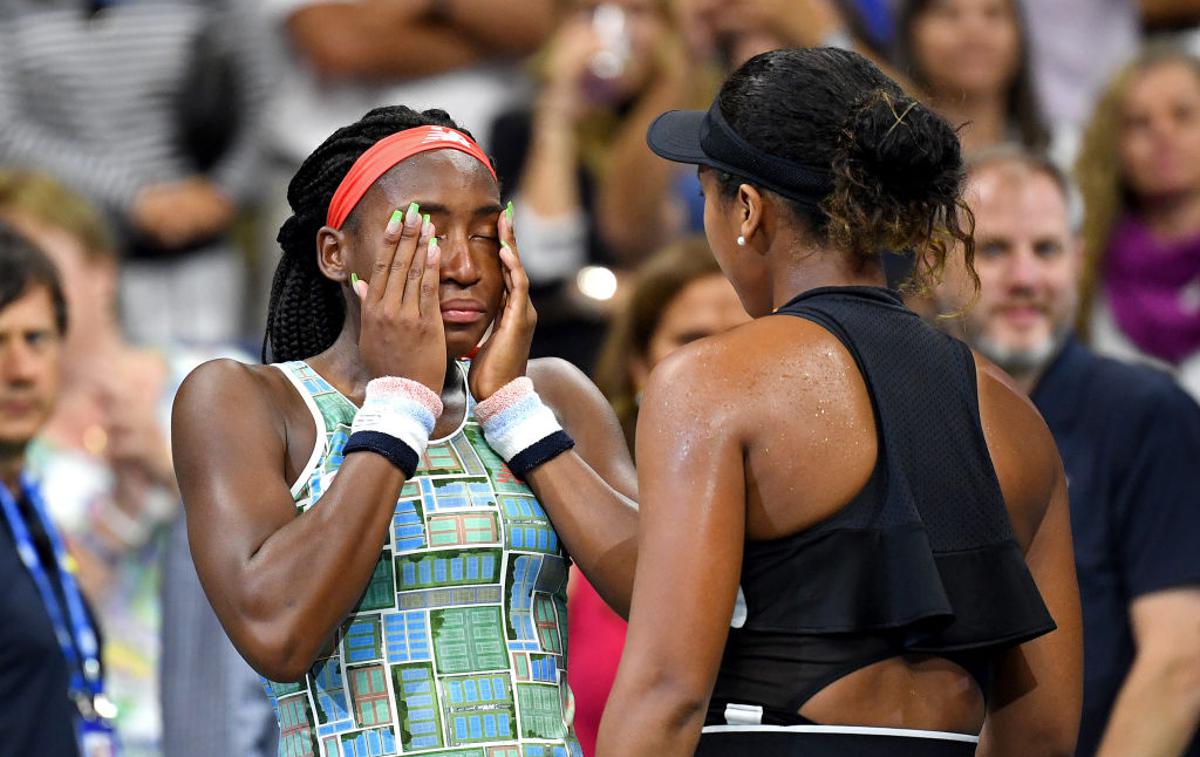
[[277, 654], [1177, 673], [670, 699]]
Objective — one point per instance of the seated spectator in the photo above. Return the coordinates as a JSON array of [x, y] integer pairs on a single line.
[[1140, 174], [107, 479], [970, 58], [605, 70], [679, 296], [51, 680], [1129, 439]]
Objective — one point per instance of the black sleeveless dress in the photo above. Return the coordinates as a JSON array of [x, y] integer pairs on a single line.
[[923, 560]]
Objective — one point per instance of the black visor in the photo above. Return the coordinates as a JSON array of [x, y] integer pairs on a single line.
[[704, 138]]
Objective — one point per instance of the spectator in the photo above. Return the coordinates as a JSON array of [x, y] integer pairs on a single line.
[[1140, 174], [679, 296], [638, 209], [41, 680], [107, 478], [149, 109], [971, 59], [1129, 439], [341, 58], [606, 67]]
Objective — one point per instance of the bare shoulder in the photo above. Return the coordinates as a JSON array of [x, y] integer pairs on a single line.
[[225, 380], [736, 374], [237, 394], [1023, 450]]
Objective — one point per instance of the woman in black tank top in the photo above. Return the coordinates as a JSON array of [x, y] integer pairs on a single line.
[[854, 535]]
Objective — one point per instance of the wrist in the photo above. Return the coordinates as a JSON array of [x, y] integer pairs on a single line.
[[395, 421], [521, 428]]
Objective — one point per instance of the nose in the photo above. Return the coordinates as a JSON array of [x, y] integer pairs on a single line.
[[457, 264], [1024, 269], [18, 363]]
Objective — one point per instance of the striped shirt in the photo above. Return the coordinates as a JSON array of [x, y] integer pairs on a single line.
[[92, 98]]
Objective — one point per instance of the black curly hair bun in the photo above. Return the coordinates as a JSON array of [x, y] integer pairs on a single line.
[[903, 143], [896, 166]]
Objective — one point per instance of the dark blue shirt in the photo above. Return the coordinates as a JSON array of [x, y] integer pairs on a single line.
[[36, 714], [1130, 443]]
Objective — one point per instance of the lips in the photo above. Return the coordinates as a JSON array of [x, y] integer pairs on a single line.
[[463, 311], [1023, 315], [16, 408]]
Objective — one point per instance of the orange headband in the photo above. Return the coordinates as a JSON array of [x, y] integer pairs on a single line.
[[389, 151]]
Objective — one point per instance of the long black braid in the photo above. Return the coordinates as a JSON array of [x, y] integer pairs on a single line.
[[307, 309]]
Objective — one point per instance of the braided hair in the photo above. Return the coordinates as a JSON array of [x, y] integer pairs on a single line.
[[307, 310]]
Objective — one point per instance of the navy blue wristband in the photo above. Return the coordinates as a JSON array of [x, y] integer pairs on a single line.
[[395, 450], [540, 452]]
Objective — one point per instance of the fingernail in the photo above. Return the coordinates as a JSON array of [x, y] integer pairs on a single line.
[[353, 279], [504, 244], [425, 218], [395, 221], [508, 211], [433, 249], [413, 216]]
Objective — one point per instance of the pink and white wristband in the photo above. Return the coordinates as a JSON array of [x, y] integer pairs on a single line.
[[395, 421], [520, 428]]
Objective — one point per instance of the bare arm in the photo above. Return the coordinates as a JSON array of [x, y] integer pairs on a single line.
[[634, 194], [590, 493], [279, 582], [1159, 705], [1037, 693], [1165, 12], [385, 39], [690, 556], [363, 40]]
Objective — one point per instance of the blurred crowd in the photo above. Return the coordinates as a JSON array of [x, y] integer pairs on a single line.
[[146, 147]]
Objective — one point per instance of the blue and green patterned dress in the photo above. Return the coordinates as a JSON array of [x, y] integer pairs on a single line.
[[458, 647]]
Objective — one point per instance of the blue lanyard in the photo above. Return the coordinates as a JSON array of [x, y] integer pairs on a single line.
[[78, 641]]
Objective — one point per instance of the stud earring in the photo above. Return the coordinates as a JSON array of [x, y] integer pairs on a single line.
[[741, 241]]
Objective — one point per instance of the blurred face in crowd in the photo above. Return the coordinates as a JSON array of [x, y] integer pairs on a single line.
[[626, 34], [1028, 263], [706, 306], [30, 351], [967, 47], [89, 282], [1160, 131]]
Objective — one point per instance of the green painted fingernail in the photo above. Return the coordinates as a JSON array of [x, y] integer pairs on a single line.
[[395, 222], [414, 213], [425, 218], [509, 210], [353, 279]]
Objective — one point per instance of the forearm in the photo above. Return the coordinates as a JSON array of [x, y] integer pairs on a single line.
[[638, 722], [636, 187], [518, 30], [359, 40], [1163, 12], [1157, 710], [293, 591], [597, 525], [549, 180]]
